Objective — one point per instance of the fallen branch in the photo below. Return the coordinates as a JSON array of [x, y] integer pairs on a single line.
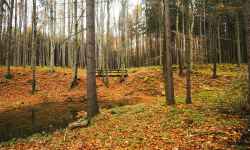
[[79, 124]]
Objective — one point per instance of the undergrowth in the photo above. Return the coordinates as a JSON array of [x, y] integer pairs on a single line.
[[235, 97]]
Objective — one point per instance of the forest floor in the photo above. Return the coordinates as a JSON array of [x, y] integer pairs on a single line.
[[134, 114]]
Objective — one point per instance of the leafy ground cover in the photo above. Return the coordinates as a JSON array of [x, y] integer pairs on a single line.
[[134, 114]]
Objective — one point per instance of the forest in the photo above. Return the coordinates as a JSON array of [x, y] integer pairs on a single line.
[[125, 74]]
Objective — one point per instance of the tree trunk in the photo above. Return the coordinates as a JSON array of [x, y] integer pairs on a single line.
[[107, 47], [64, 45], [34, 40], [188, 55], [25, 49], [219, 41], [238, 40], [247, 29], [76, 51], [137, 38], [1, 33], [184, 35], [213, 46], [8, 75], [15, 54], [19, 42], [69, 32], [1, 19], [52, 49], [92, 106], [168, 56], [179, 52]]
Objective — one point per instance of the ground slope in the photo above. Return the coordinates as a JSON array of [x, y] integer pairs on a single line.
[[133, 114]]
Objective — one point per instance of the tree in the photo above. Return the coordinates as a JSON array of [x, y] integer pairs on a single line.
[[76, 52], [92, 106], [69, 33], [238, 39], [19, 43], [169, 85], [25, 28], [137, 37], [8, 74], [178, 48], [107, 47], [34, 41], [64, 29], [247, 28], [188, 10], [213, 45], [52, 31]]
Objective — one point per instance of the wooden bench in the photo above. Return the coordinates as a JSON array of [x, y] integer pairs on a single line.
[[112, 73]]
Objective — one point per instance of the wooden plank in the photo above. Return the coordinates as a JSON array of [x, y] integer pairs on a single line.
[[112, 75]]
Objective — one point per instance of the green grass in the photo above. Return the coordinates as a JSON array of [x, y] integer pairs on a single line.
[[127, 109]]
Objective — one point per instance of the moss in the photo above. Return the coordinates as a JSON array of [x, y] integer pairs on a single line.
[[180, 100], [197, 117], [9, 143], [230, 122], [172, 119], [127, 109], [241, 147], [8, 76]]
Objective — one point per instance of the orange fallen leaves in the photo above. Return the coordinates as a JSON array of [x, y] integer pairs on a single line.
[[147, 126]]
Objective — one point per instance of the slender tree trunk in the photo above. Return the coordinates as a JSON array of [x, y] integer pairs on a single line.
[[64, 45], [184, 34], [1, 19], [168, 68], [188, 56], [219, 41], [213, 47], [1, 33], [76, 51], [191, 30], [52, 42], [238, 40], [25, 50], [8, 75], [205, 31], [69, 32], [83, 47], [123, 36], [107, 47], [15, 54], [214, 56], [247, 29], [34, 41], [179, 55], [92, 106], [19, 42], [137, 38]]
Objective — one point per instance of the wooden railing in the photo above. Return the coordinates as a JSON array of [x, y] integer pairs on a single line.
[[112, 73]]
